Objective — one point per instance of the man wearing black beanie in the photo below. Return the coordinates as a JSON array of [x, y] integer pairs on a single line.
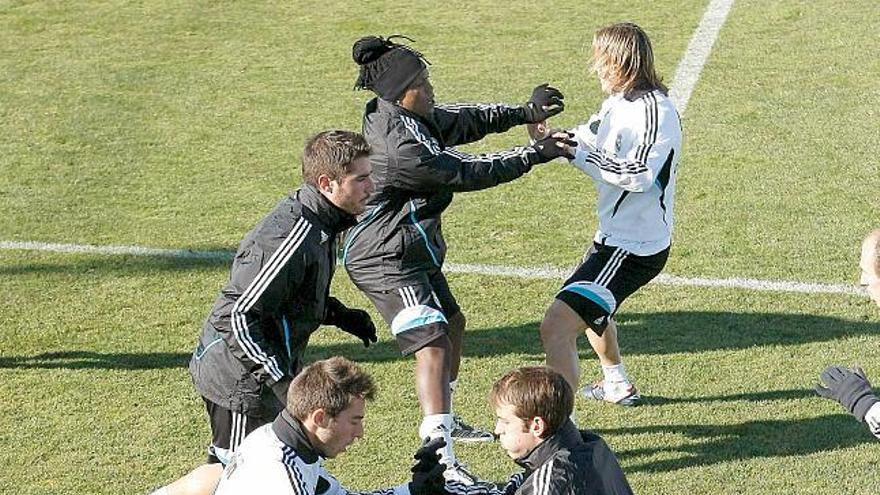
[[395, 254]]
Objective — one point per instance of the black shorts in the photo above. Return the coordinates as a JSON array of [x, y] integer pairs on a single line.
[[228, 429], [606, 277], [417, 313]]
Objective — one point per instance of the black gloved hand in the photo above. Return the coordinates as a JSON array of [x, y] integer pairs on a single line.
[[354, 321], [279, 388], [554, 146], [427, 473], [849, 387], [546, 101]]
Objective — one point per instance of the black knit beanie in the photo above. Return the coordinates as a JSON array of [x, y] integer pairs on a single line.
[[386, 68]]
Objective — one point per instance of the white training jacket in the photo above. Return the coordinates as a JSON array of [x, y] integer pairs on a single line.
[[872, 418], [277, 459], [631, 149]]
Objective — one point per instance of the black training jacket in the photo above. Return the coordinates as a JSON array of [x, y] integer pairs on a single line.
[[416, 171], [274, 299], [570, 462]]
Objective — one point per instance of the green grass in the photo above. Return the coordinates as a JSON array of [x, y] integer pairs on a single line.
[[179, 125]]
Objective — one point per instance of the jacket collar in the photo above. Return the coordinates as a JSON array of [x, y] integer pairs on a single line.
[[291, 432], [567, 437], [383, 106], [331, 216]]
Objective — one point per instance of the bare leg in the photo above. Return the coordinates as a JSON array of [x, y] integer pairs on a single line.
[[559, 333], [456, 337], [200, 481], [606, 346], [432, 376]]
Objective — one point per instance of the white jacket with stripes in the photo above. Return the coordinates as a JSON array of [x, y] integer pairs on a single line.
[[278, 459], [631, 149]]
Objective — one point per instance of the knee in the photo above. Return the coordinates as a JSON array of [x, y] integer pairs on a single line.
[[435, 350], [560, 324]]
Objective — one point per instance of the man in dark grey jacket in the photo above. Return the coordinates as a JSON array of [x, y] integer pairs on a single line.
[[277, 295], [532, 406], [395, 254]]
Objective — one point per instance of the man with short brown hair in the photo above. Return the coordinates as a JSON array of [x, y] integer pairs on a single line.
[[277, 295], [324, 415], [533, 407]]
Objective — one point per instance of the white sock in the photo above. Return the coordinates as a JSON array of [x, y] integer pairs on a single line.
[[160, 491], [437, 425], [615, 375]]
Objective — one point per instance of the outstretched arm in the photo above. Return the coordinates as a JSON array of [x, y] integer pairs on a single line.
[[466, 123]]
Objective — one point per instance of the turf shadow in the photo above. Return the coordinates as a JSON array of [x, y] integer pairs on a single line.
[[769, 395], [704, 445], [102, 265], [649, 334], [97, 360]]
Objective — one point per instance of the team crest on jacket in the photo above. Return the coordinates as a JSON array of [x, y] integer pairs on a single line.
[[324, 237], [618, 142]]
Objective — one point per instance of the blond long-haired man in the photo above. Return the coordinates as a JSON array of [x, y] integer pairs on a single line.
[[631, 149]]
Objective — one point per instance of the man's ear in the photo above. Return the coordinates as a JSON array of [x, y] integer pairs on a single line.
[[320, 417], [325, 184], [538, 426]]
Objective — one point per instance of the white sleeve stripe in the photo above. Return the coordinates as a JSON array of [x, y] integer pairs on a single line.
[[253, 292], [278, 259], [487, 158], [541, 479], [605, 163], [413, 127], [296, 481]]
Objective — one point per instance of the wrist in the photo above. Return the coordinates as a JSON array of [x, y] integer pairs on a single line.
[[865, 404]]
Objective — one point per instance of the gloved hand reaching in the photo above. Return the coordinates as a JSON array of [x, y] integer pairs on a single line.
[[559, 144], [849, 387], [546, 101], [354, 321]]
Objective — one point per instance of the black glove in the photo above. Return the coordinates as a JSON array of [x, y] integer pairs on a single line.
[[849, 387], [553, 147], [354, 321], [427, 473], [546, 101], [279, 388]]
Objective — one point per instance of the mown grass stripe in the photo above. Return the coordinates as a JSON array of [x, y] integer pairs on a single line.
[[540, 272]]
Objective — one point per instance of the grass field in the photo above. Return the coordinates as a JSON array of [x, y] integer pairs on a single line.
[[179, 124]]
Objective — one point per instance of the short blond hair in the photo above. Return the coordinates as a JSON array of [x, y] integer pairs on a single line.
[[623, 56]]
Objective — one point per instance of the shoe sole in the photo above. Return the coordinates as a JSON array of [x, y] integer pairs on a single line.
[[595, 393]]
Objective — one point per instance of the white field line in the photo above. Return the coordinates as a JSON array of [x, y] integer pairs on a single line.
[[544, 272], [691, 65]]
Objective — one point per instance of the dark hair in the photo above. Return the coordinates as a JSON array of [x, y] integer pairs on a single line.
[[332, 153], [330, 384], [386, 68], [535, 391]]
